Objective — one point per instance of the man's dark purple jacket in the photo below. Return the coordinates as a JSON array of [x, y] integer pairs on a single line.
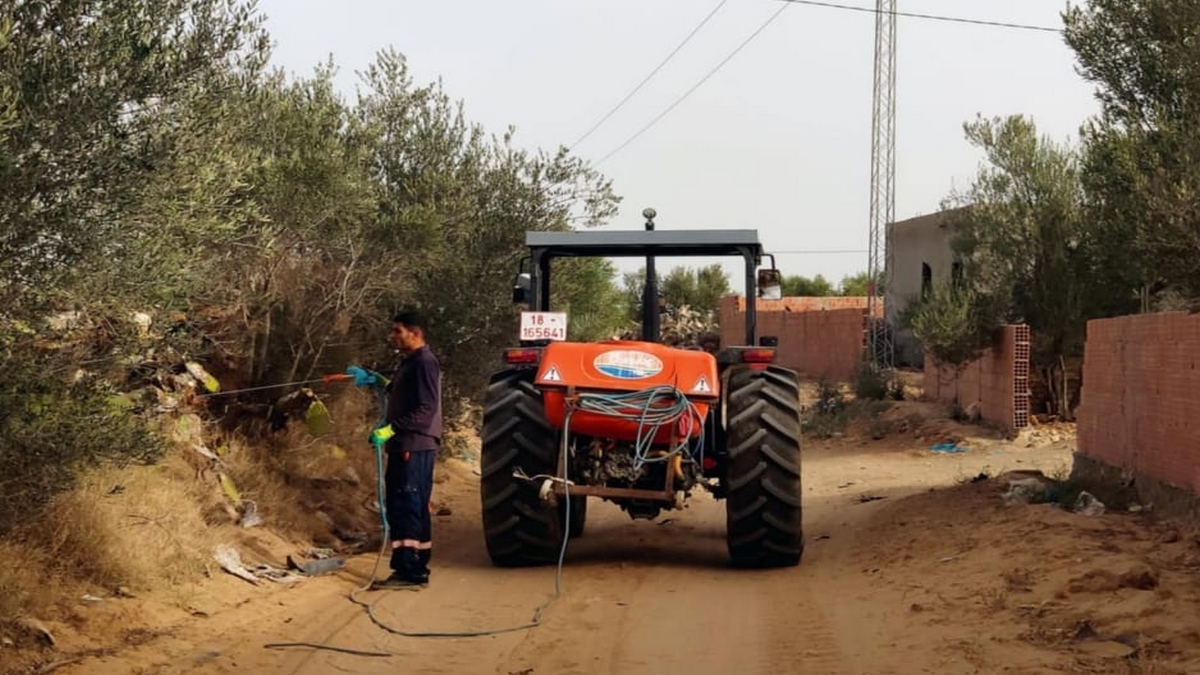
[[415, 402]]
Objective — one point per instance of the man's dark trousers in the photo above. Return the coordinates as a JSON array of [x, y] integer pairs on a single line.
[[409, 484]]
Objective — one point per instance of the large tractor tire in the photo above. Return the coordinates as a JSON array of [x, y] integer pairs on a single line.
[[520, 529], [763, 480]]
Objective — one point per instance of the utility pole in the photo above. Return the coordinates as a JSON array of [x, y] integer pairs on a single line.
[[883, 181]]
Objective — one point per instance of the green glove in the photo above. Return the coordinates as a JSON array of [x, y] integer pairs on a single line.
[[382, 434]]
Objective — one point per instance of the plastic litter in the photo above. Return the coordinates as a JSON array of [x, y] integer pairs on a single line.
[[1031, 490], [1087, 504], [316, 568]]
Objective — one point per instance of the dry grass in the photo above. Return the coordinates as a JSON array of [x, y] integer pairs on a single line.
[[141, 527], [22, 581], [299, 475], [151, 529]]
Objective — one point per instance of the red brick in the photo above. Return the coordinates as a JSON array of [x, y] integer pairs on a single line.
[[998, 380], [1138, 411], [825, 342]]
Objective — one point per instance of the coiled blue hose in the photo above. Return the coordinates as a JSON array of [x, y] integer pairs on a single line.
[[653, 409]]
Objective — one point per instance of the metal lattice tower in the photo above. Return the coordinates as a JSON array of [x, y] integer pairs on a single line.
[[883, 178]]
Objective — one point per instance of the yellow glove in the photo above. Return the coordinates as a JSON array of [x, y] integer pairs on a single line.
[[382, 434]]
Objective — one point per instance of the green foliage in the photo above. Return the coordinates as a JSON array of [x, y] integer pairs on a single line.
[[1024, 238], [830, 414], [1030, 255], [454, 205], [954, 324], [53, 423], [1142, 154], [97, 87], [149, 162], [8, 97], [795, 286], [586, 289], [699, 289], [854, 285], [857, 285], [870, 383]]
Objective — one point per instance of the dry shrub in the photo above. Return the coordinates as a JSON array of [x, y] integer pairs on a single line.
[[154, 527], [23, 581], [297, 476], [141, 527]]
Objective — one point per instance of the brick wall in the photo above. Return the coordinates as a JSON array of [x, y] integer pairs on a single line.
[[1139, 410], [806, 304], [998, 381], [818, 337]]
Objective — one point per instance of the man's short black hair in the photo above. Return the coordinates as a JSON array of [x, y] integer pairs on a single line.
[[411, 318]]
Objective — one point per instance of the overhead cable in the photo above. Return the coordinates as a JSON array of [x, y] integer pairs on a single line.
[[929, 17], [697, 85], [646, 79]]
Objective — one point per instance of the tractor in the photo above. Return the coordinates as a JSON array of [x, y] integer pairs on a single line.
[[636, 422]]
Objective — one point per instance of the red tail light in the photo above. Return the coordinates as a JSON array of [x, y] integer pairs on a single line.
[[758, 355], [522, 356]]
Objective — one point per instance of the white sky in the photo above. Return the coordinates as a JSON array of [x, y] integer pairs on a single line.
[[778, 140]]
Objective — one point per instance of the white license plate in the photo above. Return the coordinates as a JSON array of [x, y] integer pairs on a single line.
[[544, 326]]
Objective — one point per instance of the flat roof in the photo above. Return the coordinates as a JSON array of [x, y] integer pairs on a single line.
[[618, 243], [929, 220]]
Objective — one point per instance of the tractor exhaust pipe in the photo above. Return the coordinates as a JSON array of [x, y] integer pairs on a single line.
[[650, 308]]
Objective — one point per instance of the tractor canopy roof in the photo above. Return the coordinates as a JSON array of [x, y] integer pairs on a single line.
[[634, 243]]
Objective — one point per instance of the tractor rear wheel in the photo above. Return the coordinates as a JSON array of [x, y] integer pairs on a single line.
[[763, 477], [520, 529]]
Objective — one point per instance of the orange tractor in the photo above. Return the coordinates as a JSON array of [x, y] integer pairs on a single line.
[[636, 422]]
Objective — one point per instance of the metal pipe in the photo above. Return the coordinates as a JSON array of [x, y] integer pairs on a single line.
[[650, 308]]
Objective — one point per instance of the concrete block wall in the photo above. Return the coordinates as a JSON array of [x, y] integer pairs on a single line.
[[819, 337], [1140, 409], [998, 381]]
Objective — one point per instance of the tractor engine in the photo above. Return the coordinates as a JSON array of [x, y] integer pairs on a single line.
[[633, 418], [614, 464]]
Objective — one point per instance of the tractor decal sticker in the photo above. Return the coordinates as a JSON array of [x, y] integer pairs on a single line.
[[702, 386], [552, 375], [627, 364]]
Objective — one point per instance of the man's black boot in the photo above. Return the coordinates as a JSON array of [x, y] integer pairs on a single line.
[[423, 557], [406, 570]]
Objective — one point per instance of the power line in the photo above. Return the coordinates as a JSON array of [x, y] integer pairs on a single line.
[[654, 72], [698, 84], [930, 17]]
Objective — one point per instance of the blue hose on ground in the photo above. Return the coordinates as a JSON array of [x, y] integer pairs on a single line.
[[381, 490], [649, 420]]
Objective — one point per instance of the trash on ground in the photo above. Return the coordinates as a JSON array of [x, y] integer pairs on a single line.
[[316, 568], [231, 561], [1030, 487], [1087, 504]]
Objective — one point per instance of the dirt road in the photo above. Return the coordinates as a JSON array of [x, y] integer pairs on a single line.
[[896, 579]]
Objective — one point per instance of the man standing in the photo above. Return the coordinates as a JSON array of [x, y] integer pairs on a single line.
[[412, 431]]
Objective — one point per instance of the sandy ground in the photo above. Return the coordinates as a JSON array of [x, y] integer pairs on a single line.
[[910, 568]]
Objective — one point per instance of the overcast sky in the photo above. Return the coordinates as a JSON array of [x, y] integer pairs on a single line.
[[778, 139]]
